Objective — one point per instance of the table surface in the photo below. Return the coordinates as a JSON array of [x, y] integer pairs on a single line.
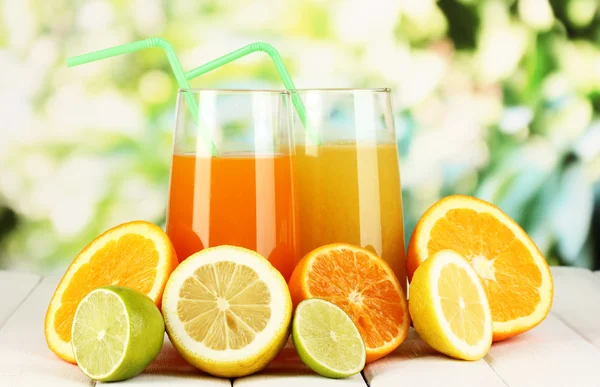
[[562, 351]]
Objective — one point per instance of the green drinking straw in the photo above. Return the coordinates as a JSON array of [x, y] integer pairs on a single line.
[[182, 78], [173, 61], [283, 74]]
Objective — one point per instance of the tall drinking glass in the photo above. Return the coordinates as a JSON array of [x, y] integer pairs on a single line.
[[349, 186], [243, 195]]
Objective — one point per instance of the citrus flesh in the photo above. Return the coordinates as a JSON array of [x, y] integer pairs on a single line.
[[227, 311], [117, 332], [514, 273], [363, 285], [327, 340], [449, 307], [138, 255]]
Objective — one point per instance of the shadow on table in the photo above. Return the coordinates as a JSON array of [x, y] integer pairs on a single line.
[[170, 362]]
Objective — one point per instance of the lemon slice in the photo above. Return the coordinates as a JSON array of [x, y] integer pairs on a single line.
[[227, 311], [449, 307]]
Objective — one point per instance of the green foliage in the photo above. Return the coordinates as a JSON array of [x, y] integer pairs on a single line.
[[463, 21], [494, 98]]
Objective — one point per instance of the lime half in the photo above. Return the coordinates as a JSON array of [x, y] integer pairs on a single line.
[[327, 340], [117, 332]]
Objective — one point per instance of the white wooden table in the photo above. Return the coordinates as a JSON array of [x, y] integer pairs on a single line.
[[563, 351]]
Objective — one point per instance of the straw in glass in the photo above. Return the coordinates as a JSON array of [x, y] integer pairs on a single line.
[[281, 70]]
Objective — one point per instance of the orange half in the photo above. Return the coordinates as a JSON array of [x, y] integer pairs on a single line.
[[514, 272], [363, 285], [138, 255]]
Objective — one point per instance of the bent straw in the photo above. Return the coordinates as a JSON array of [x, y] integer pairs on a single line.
[[173, 61], [283, 74]]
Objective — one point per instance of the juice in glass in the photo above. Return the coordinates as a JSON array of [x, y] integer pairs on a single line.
[[244, 195], [236, 200], [349, 187]]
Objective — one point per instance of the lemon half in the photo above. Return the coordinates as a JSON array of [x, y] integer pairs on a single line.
[[227, 311], [449, 307]]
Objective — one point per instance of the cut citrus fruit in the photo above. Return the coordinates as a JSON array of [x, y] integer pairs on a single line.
[[449, 308], [138, 255], [514, 273], [117, 332], [227, 311], [363, 285], [327, 340]]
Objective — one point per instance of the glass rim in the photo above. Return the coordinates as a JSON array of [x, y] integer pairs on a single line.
[[196, 90], [343, 90], [284, 91]]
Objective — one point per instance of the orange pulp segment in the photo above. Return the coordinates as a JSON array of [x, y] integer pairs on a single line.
[[138, 255], [514, 273]]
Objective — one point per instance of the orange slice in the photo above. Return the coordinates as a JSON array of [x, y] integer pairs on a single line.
[[138, 255], [514, 273], [363, 285]]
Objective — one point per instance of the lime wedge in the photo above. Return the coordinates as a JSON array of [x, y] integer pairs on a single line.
[[117, 332], [327, 340]]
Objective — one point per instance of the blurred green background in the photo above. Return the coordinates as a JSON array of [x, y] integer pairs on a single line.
[[498, 99]]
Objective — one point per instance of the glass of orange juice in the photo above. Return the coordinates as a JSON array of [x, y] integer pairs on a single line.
[[349, 186], [244, 194]]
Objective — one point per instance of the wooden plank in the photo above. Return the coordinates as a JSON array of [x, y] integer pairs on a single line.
[[172, 380], [288, 370], [14, 288], [551, 354], [25, 359], [416, 363], [577, 301]]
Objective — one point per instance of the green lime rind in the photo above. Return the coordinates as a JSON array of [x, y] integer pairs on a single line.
[[117, 332], [327, 340]]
